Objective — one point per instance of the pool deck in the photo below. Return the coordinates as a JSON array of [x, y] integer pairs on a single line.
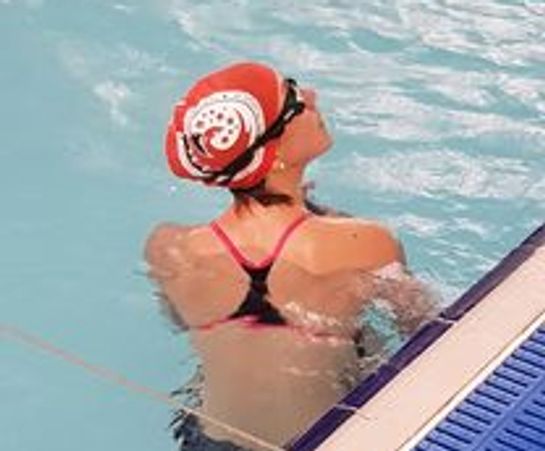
[[406, 398]]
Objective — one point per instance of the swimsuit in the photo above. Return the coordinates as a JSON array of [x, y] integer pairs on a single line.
[[255, 305]]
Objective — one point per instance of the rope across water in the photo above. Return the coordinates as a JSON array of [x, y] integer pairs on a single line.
[[21, 336]]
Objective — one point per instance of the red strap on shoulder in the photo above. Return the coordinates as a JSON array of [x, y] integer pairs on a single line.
[[282, 241], [233, 250]]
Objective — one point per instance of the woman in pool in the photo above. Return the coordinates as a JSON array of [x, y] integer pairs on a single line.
[[270, 290]]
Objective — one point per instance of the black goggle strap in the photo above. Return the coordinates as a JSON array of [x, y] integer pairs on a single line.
[[297, 102], [195, 140], [293, 106]]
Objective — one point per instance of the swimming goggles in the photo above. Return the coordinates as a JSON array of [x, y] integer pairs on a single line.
[[293, 106]]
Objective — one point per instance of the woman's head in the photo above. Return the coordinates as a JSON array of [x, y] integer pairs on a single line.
[[235, 123]]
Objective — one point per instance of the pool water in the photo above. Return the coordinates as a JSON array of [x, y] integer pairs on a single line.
[[438, 113]]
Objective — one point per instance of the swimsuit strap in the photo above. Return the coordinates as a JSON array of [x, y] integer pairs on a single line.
[[241, 259]]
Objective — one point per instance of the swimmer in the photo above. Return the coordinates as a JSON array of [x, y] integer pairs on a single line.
[[271, 289]]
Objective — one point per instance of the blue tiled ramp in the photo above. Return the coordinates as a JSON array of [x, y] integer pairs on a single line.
[[505, 413]]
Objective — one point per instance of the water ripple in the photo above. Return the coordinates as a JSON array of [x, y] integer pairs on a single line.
[[437, 174]]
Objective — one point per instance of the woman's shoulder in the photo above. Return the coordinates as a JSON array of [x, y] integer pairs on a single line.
[[343, 241], [358, 242], [164, 241], [338, 222]]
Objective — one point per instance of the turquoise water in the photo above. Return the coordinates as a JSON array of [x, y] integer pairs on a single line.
[[438, 113]]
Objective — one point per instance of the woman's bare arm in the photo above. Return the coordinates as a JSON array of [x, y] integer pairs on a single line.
[[410, 301]]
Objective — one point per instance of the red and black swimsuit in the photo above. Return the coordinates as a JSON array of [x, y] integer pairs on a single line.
[[255, 305]]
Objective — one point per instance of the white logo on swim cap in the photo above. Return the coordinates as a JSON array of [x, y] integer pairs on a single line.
[[227, 114]]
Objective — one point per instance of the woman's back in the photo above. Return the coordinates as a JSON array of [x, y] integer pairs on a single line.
[[317, 259], [318, 284]]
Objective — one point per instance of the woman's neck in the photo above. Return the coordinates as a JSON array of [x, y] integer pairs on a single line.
[[288, 181]]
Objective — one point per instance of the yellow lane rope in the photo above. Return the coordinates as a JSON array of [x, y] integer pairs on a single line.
[[35, 342]]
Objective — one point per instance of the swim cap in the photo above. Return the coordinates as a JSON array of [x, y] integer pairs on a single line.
[[220, 117]]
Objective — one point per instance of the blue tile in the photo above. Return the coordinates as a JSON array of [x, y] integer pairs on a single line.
[[370, 386], [419, 342], [320, 430]]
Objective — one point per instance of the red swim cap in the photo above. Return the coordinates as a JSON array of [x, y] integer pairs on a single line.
[[221, 116]]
